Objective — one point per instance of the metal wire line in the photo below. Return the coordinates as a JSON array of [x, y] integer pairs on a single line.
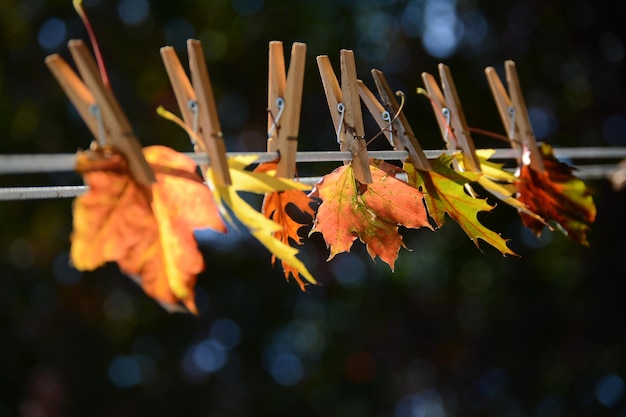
[[25, 164]]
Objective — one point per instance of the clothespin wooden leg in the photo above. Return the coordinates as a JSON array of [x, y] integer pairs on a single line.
[[290, 122], [337, 106], [75, 90], [276, 84], [459, 123], [405, 136], [208, 118], [353, 119], [505, 109], [120, 132], [521, 116]]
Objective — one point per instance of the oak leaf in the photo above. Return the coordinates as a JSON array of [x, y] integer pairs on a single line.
[[370, 212], [444, 193], [275, 207], [148, 231], [558, 196], [264, 229]]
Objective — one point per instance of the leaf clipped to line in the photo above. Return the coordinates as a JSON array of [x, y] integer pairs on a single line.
[[558, 196], [370, 212], [500, 183], [265, 230], [148, 231], [275, 208], [444, 193]]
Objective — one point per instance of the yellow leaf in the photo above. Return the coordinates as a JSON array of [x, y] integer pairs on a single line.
[[259, 225]]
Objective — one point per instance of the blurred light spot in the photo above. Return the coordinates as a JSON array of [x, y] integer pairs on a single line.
[[532, 241], [349, 270], [303, 336], [233, 111], [341, 316], [614, 129], [214, 45], [64, 274], [147, 368], [203, 358], [247, 7], [283, 365], [549, 407], [360, 367], [21, 253], [475, 27], [177, 31], [412, 19], [377, 32], [610, 390], [43, 298], [424, 404], [421, 375], [52, 34], [147, 345], [308, 308], [119, 305], [133, 12], [543, 121], [209, 356], [226, 332], [611, 47], [491, 386], [471, 315], [521, 21], [124, 372], [397, 59], [476, 275], [25, 122], [441, 28]]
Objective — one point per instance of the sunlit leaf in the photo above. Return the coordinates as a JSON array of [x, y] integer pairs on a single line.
[[148, 231], [370, 212], [558, 196]]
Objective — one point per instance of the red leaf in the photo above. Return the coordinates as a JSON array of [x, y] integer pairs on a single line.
[[370, 212], [557, 196]]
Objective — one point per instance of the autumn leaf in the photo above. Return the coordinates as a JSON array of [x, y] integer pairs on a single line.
[[500, 183], [558, 196], [147, 231], [444, 193], [370, 212], [264, 229], [275, 208]]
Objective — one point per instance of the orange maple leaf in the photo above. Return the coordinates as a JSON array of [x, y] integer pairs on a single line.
[[148, 231], [371, 212], [558, 196], [275, 207]]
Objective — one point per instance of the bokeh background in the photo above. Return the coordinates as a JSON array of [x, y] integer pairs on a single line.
[[455, 331]]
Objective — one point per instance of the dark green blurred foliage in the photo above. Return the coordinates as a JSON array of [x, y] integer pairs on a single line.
[[455, 331]]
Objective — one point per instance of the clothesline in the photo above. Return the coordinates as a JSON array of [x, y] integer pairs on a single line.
[[49, 163]]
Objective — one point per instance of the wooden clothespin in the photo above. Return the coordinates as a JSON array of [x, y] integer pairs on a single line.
[[111, 125], [392, 121], [197, 105], [514, 114], [448, 104], [284, 100], [345, 110]]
